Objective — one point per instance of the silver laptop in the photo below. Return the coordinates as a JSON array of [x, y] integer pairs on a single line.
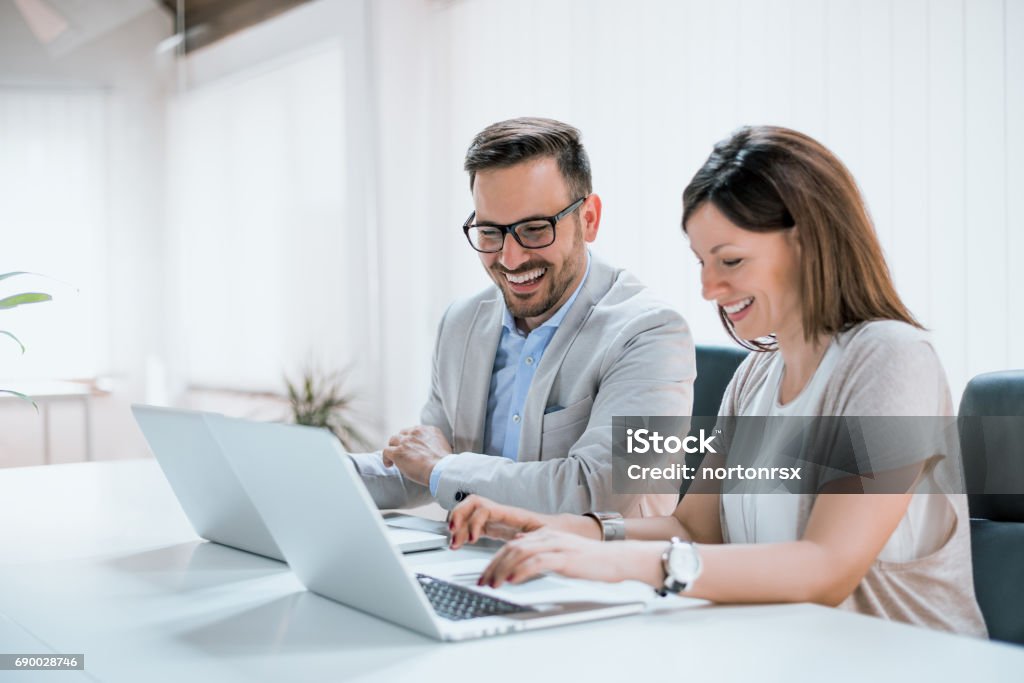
[[213, 499], [324, 520]]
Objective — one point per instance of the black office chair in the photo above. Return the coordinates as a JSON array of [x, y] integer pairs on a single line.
[[715, 367], [993, 455]]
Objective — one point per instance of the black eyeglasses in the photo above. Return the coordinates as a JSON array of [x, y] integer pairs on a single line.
[[533, 233]]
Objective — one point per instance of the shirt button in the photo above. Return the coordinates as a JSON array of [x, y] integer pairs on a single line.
[[529, 360], [516, 418]]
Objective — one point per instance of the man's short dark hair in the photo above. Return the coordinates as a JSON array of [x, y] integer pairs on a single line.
[[511, 142]]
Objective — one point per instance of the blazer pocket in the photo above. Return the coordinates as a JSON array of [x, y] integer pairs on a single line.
[[562, 428]]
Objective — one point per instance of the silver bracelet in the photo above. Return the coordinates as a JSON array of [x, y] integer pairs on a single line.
[[613, 526]]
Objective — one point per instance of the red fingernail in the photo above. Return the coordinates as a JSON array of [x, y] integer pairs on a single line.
[[472, 538], [451, 525]]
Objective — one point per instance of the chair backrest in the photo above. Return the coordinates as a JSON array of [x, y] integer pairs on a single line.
[[993, 449], [993, 453], [715, 367]]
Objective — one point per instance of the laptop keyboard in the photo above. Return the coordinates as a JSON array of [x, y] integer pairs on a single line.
[[454, 602]]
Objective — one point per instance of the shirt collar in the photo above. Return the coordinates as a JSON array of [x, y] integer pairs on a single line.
[[509, 323]]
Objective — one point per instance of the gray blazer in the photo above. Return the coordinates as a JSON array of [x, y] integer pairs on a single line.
[[619, 351]]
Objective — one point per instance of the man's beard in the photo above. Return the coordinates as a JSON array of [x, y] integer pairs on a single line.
[[559, 282]]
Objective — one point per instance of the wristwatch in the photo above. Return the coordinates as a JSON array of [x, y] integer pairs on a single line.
[[613, 526], [682, 566]]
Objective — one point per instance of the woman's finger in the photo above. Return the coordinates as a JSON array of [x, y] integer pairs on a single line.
[[535, 566], [458, 524], [512, 555], [552, 544], [487, 575], [513, 563], [477, 522]]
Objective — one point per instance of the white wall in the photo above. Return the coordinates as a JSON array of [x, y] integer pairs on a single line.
[[921, 98]]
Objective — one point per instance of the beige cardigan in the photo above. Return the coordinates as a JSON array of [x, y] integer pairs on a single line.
[[889, 368]]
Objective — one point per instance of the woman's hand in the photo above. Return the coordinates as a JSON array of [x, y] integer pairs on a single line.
[[572, 555], [476, 517]]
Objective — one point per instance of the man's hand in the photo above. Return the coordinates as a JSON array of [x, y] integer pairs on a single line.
[[415, 450]]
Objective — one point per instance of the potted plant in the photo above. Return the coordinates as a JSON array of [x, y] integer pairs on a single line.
[[319, 399], [13, 301]]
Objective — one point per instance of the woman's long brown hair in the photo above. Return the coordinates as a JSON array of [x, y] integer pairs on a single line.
[[766, 178]]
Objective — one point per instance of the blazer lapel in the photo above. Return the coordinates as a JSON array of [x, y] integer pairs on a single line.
[[475, 378], [599, 281]]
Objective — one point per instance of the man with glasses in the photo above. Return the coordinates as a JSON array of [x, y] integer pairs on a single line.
[[528, 375]]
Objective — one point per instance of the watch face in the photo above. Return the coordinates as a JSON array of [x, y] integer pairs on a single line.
[[683, 563]]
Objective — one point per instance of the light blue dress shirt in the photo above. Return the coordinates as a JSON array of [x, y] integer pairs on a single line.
[[515, 363]]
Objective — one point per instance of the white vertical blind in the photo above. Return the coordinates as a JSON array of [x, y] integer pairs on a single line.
[[53, 211], [945, 212], [985, 191], [1013, 44], [261, 260]]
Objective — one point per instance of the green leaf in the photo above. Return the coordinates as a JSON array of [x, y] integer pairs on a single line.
[[25, 298], [16, 340], [23, 397], [4, 276]]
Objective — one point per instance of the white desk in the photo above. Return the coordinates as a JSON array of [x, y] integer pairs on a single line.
[[98, 558]]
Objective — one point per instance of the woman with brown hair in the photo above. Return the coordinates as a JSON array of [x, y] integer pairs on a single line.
[[789, 256]]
